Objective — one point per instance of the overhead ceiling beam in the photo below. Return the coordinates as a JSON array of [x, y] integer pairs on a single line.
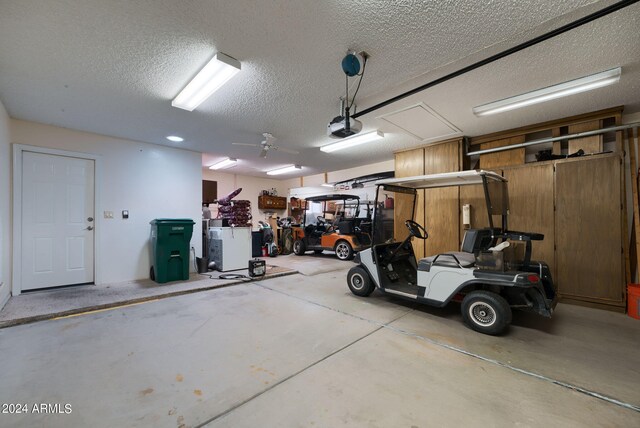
[[546, 36]]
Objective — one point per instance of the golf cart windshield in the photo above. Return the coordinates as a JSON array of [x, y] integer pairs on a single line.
[[392, 202], [396, 199], [331, 208]]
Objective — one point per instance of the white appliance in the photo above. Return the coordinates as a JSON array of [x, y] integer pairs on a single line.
[[230, 247]]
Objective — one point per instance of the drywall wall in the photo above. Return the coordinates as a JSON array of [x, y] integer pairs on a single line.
[[5, 208], [150, 181], [252, 187]]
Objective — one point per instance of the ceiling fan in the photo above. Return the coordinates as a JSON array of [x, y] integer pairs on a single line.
[[267, 144]]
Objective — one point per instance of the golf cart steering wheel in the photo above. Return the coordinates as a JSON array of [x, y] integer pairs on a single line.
[[416, 230]]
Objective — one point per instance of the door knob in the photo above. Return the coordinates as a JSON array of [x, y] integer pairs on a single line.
[[89, 228], [89, 218]]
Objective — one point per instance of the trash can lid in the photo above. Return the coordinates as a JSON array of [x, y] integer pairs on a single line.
[[172, 220]]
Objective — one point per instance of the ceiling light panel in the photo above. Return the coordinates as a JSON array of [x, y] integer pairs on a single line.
[[571, 87], [227, 163], [175, 138], [216, 73], [347, 143], [285, 170]]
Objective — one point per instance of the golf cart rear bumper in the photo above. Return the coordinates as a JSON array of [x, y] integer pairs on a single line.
[[551, 306], [538, 303]]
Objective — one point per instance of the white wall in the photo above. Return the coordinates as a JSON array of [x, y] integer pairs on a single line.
[[251, 189], [5, 208], [150, 181]]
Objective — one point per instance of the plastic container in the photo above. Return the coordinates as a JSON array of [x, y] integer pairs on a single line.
[[490, 260], [256, 243], [170, 240], [633, 301]]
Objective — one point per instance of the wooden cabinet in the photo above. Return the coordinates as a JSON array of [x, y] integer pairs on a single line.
[[577, 203], [531, 207], [441, 211], [504, 158], [266, 202], [589, 251], [591, 144], [407, 164], [436, 209]]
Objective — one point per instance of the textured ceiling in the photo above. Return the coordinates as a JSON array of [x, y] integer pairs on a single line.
[[113, 66]]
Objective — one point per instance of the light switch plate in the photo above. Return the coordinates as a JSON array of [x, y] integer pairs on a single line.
[[108, 214]]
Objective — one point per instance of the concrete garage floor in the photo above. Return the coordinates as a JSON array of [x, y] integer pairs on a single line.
[[302, 351], [47, 304]]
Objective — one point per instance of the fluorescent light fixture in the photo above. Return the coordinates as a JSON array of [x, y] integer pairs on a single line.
[[216, 73], [224, 164], [175, 138], [327, 185], [571, 87], [286, 169], [353, 141]]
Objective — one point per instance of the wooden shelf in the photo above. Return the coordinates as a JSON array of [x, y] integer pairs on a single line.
[[266, 202]]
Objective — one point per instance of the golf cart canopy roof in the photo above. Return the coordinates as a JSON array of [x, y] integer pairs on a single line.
[[334, 197], [446, 179]]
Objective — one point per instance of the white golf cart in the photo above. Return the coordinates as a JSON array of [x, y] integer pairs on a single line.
[[487, 283]]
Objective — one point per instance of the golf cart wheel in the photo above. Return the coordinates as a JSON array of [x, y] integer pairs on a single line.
[[486, 312], [152, 274], [343, 250], [359, 281], [299, 248], [317, 251]]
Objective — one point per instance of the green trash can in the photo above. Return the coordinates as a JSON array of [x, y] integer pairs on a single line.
[[170, 239]]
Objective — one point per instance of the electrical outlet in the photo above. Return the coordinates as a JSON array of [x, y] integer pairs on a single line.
[[108, 214]]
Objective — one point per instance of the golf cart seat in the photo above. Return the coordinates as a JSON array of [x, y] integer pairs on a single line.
[[346, 227], [452, 259], [314, 231], [473, 242]]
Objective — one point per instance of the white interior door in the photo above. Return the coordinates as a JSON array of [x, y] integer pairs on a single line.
[[57, 220]]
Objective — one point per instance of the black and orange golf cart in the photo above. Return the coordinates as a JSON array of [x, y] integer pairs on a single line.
[[338, 227]]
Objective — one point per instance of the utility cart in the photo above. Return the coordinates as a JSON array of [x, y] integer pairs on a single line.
[[484, 276], [344, 232]]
